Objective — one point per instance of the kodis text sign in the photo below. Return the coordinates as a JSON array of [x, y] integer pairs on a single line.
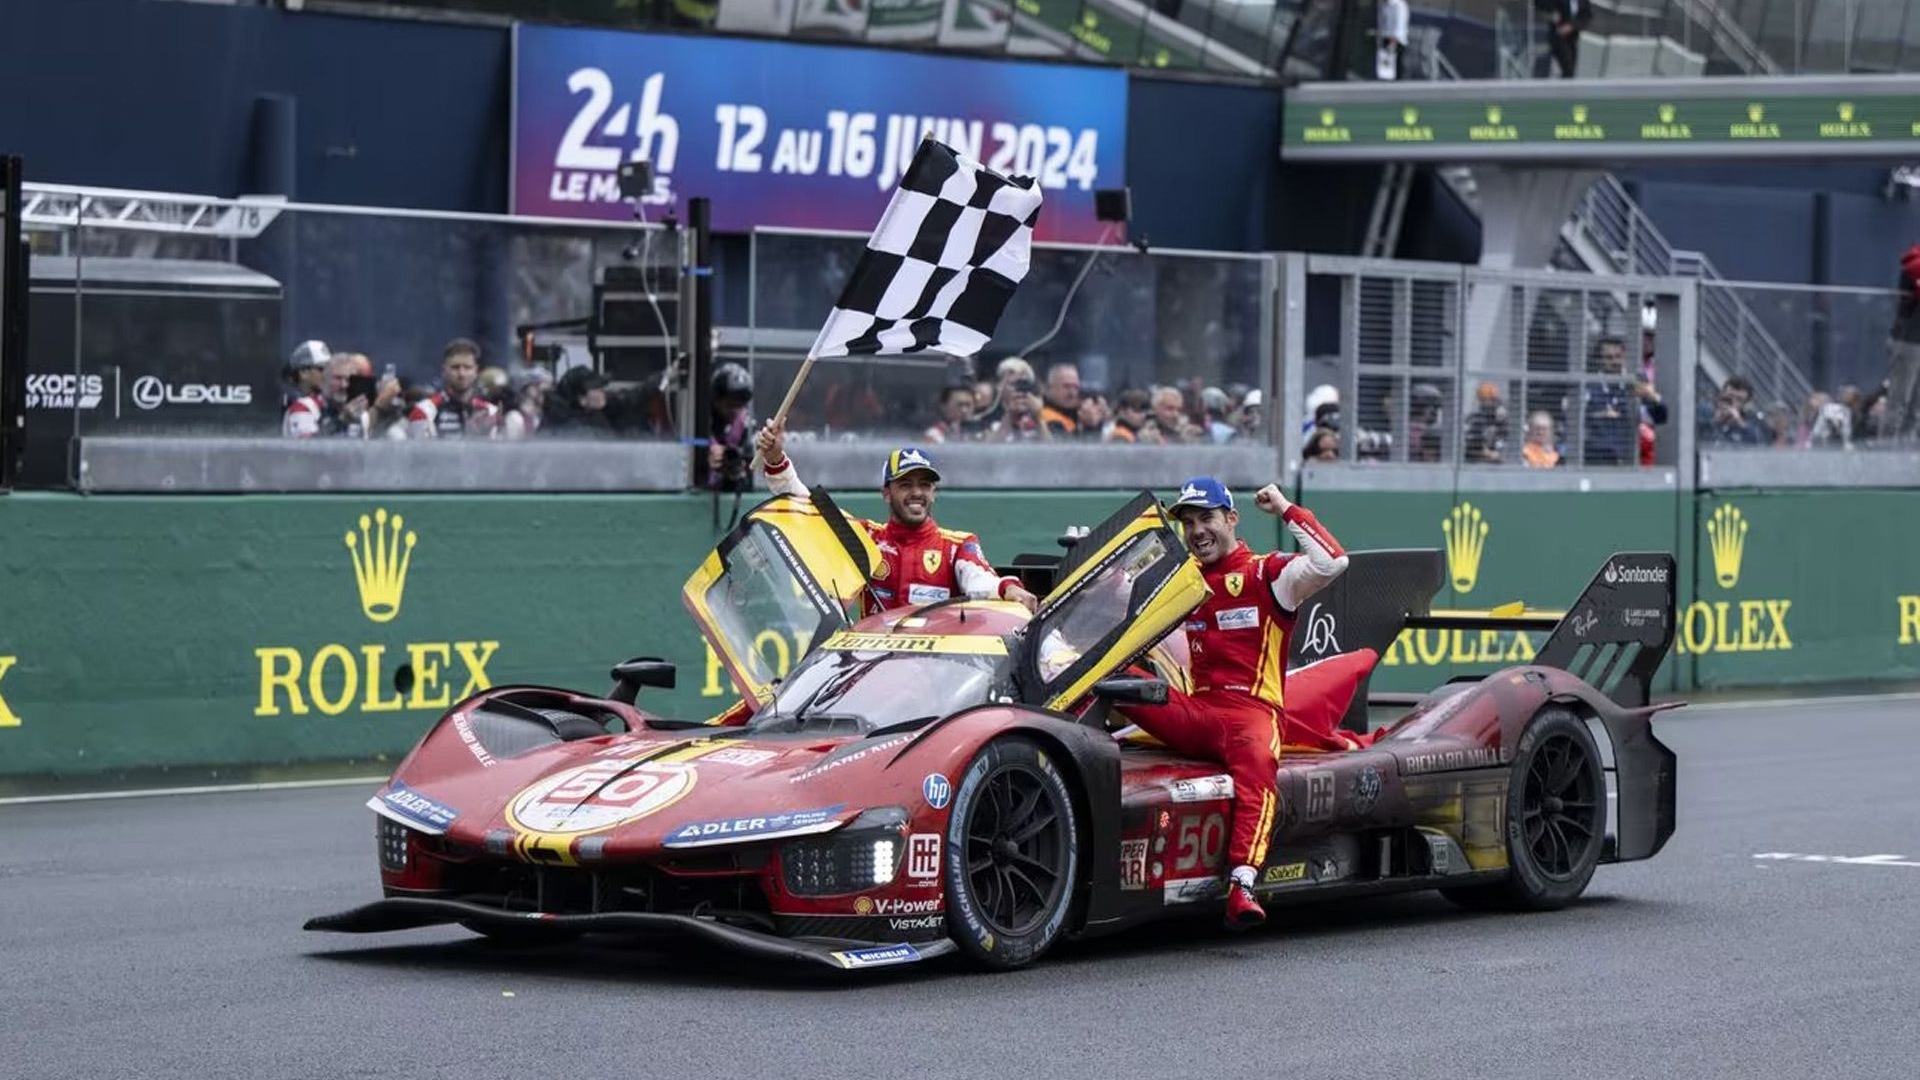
[[797, 135]]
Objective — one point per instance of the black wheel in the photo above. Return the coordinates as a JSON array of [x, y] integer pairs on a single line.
[[1556, 818], [531, 936], [1013, 854]]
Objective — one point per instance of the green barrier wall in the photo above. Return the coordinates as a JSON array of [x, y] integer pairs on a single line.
[[1794, 587], [1540, 548], [195, 632], [203, 631]]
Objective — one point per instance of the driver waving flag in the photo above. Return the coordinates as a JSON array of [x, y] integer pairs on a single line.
[[1238, 639], [920, 562]]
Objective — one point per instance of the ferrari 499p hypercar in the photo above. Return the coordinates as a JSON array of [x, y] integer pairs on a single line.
[[957, 777]]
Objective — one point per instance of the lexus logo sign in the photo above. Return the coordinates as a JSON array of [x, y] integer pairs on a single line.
[[150, 393]]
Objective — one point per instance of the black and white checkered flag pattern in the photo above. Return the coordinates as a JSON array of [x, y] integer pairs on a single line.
[[942, 264]]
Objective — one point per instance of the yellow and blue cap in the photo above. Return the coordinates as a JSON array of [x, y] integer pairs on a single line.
[[905, 460], [1203, 493]]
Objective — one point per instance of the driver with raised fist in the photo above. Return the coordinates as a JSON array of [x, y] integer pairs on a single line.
[[920, 562], [1238, 640]]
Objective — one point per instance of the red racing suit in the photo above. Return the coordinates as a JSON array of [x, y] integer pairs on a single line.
[[1238, 639], [918, 564]]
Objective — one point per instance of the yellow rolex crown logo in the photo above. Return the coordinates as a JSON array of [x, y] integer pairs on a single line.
[[1756, 112], [1409, 117], [1466, 531], [380, 563], [1727, 533], [1666, 114], [1493, 114], [1326, 117], [1846, 111], [1579, 114]]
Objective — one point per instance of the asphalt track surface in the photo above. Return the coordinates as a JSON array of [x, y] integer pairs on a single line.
[[160, 937]]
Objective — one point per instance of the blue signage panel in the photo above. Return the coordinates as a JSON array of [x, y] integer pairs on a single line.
[[813, 136]]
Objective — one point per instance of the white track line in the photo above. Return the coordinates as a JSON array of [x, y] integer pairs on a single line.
[[1802, 702], [212, 789], [294, 785]]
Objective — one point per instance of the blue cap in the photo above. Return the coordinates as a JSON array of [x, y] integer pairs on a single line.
[[906, 460], [1205, 493]]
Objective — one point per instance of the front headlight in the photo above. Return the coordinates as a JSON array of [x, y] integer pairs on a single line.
[[392, 839], [862, 856]]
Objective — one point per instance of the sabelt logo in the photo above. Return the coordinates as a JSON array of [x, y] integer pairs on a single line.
[[150, 392], [335, 678], [64, 391], [1729, 626], [8, 718]]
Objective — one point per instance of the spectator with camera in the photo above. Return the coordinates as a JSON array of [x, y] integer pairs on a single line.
[[458, 410], [1095, 416], [577, 407], [729, 429], [1729, 419]]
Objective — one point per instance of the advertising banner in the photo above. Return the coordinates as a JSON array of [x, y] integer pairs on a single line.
[[784, 134]]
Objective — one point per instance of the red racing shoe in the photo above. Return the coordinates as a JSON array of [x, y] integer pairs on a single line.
[[1243, 911]]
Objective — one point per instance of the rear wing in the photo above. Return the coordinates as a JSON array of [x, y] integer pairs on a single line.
[[1613, 636]]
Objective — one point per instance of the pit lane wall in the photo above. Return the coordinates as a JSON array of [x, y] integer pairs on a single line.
[[234, 634]]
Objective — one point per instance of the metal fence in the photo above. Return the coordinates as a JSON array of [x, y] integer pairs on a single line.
[[1190, 332], [1223, 36], [1451, 366]]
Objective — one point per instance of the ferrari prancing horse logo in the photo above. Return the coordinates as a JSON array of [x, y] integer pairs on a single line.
[[931, 560], [1235, 582]]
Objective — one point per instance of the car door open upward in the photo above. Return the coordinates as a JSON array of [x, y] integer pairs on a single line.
[[1121, 588], [791, 573]]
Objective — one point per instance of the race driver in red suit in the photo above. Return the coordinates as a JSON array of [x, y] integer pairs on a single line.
[[920, 562], [1238, 641]]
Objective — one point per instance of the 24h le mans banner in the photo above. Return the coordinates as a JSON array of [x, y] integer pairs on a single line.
[[808, 136]]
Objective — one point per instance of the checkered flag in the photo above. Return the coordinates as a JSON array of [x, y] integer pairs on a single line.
[[942, 264]]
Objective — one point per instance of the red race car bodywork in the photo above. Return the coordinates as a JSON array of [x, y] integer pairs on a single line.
[[960, 777]]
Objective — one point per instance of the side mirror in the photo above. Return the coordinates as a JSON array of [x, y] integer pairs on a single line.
[[1132, 690], [631, 675]]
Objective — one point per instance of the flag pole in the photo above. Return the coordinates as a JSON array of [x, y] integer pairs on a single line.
[[780, 417]]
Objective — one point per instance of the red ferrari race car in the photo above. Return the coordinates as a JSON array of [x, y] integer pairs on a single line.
[[957, 778]]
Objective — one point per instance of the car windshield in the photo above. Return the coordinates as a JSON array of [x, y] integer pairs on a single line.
[[860, 690]]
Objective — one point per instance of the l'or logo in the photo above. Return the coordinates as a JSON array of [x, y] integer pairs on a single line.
[[7, 717]]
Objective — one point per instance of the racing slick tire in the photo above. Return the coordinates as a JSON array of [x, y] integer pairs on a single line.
[[1556, 818], [1013, 854]]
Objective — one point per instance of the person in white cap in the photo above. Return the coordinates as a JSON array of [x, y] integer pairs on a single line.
[[307, 370]]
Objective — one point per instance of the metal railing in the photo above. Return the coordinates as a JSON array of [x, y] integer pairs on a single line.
[[1732, 339]]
